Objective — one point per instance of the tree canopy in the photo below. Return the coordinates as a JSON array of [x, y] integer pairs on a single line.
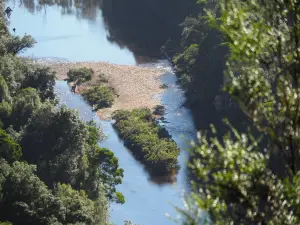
[[80, 75], [148, 141], [100, 97], [52, 170], [238, 179]]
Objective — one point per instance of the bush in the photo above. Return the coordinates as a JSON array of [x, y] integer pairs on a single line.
[[148, 141], [82, 75], [100, 97], [15, 45], [120, 197]]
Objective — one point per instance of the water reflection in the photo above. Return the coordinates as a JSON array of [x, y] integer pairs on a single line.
[[81, 8], [141, 26], [71, 29], [28, 4]]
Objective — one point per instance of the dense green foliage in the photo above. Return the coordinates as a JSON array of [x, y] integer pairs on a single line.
[[236, 179], [148, 141], [5, 223], [199, 59], [100, 97], [75, 158], [235, 186], [25, 199], [42, 79], [9, 149], [79, 207], [16, 44], [52, 170], [80, 75], [24, 104]]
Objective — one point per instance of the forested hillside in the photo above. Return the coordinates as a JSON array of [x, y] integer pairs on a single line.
[[199, 59], [237, 180], [52, 170]]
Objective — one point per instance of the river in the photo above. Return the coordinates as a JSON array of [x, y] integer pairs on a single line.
[[80, 34]]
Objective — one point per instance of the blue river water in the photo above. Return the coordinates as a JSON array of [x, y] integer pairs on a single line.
[[75, 38]]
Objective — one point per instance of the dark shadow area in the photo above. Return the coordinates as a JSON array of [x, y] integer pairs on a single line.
[[144, 26]]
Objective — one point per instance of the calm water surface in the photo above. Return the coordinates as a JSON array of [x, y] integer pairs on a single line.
[[80, 35], [68, 36]]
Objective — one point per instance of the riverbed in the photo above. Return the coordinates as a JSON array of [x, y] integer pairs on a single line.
[[63, 35]]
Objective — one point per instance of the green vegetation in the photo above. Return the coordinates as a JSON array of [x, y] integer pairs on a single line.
[[78, 146], [80, 75], [16, 44], [238, 179], [52, 170], [199, 60], [9, 149], [5, 223], [100, 97], [148, 141]]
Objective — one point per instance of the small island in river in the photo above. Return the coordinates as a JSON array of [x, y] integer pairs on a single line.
[[135, 86], [149, 142]]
